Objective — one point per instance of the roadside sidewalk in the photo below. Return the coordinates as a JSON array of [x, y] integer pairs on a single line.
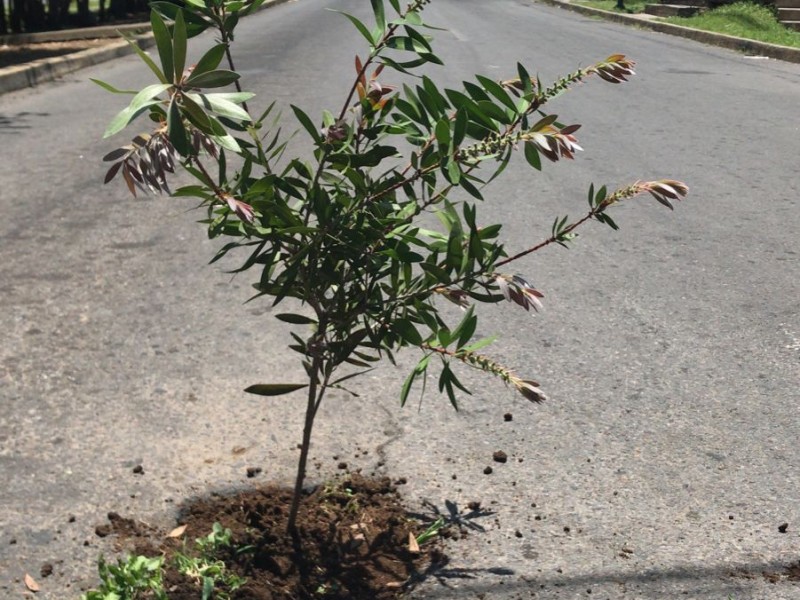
[[47, 69], [749, 47]]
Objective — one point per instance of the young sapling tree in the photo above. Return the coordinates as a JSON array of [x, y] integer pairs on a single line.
[[344, 233]]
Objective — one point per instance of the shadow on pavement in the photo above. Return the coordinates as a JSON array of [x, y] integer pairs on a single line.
[[721, 581], [13, 124]]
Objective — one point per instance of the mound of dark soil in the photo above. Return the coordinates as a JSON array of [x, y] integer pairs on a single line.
[[354, 542]]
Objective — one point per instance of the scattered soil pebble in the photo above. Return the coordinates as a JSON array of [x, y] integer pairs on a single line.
[[518, 533], [102, 531], [508, 417], [138, 470], [487, 471], [500, 456], [474, 505], [253, 471], [783, 527], [46, 570], [342, 465]]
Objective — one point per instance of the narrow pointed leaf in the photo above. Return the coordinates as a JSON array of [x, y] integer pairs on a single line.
[[179, 45], [110, 88], [274, 389], [362, 29], [164, 44], [210, 60], [147, 60], [212, 79], [306, 122], [176, 130], [295, 319]]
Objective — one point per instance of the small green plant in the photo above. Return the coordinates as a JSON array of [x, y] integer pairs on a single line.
[[433, 530], [141, 577], [213, 576], [207, 569], [218, 539], [133, 578], [346, 238]]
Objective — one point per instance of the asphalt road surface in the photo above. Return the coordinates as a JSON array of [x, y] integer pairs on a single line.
[[667, 456]]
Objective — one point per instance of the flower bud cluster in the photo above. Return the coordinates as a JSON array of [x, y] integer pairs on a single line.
[[527, 387]]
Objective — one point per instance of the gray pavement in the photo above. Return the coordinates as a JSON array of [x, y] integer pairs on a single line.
[[15, 78], [667, 455]]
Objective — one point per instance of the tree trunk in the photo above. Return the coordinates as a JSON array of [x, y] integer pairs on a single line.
[[3, 22], [35, 18], [17, 15], [314, 398]]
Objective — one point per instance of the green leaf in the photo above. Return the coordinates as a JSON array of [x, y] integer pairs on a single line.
[[460, 100], [408, 44], [212, 79], [295, 319], [443, 134], [306, 122], [179, 45], [525, 79], [197, 115], [110, 88], [406, 330], [469, 188], [482, 343], [221, 106], [532, 156], [545, 121], [176, 130], [222, 137], [142, 100], [362, 29], [210, 60], [208, 588], [380, 14], [453, 172], [420, 369], [238, 98], [404, 391], [460, 127], [195, 21], [274, 389], [466, 329], [496, 90], [493, 111], [147, 60], [164, 44]]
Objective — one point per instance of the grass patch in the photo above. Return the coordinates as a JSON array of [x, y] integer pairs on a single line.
[[745, 20]]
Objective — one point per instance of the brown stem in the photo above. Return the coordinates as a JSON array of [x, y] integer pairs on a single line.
[[311, 410], [547, 242], [226, 41]]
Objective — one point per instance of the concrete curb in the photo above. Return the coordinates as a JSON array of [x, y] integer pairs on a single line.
[[85, 33], [730, 42], [16, 78], [40, 71]]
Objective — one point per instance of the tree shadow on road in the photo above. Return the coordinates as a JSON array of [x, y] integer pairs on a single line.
[[719, 581], [722, 581], [15, 124]]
